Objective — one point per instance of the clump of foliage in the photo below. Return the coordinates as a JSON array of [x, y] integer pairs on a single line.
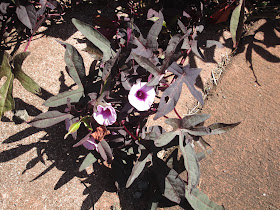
[[111, 105], [19, 20]]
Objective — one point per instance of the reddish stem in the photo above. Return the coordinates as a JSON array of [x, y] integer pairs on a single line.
[[165, 117], [125, 128], [177, 113], [25, 49]]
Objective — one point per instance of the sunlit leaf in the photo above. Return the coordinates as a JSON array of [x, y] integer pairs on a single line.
[[75, 63], [190, 162], [49, 118], [61, 98], [236, 22], [138, 167], [6, 91], [27, 82], [193, 120], [198, 200], [95, 37], [88, 161], [73, 128], [154, 32], [27, 15], [169, 98], [165, 139]]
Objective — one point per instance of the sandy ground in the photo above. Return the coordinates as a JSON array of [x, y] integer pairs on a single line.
[[38, 169]]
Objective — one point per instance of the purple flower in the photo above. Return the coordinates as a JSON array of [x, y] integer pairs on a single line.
[[91, 144], [141, 96], [105, 115]]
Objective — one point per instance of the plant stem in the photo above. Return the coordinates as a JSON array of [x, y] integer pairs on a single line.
[[177, 113], [125, 128]]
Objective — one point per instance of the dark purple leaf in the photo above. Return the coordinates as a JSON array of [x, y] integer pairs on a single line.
[[49, 118], [83, 140], [105, 151], [27, 15], [142, 51], [61, 98], [190, 75], [193, 120], [3, 7], [169, 181], [169, 98], [74, 62], [146, 64], [190, 162], [154, 32], [138, 166]]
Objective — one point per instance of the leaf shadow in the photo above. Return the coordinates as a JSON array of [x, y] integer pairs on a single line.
[[251, 44]]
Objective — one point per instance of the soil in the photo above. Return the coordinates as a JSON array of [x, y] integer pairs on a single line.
[[38, 169]]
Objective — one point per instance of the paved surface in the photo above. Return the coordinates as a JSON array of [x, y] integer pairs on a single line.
[[244, 171]]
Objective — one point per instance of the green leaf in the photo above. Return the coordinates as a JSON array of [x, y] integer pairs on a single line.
[[193, 120], [27, 82], [236, 22], [138, 167], [73, 128], [190, 162], [89, 160], [165, 139], [96, 38], [198, 200], [61, 98], [6, 91], [49, 118], [75, 63]]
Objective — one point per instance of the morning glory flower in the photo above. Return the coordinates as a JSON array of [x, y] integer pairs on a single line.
[[141, 96], [105, 115], [91, 144]]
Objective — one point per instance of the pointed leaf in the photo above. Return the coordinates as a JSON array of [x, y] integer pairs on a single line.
[[190, 162], [27, 82], [73, 128], [49, 118], [236, 22], [169, 98], [89, 160], [6, 95], [165, 139], [193, 120], [95, 37], [146, 64], [138, 167], [61, 98], [75, 63], [154, 32], [83, 140], [174, 122], [218, 128], [198, 200], [190, 75], [105, 151], [27, 15]]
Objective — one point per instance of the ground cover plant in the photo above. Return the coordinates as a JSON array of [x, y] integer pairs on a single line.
[[107, 111], [19, 21]]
